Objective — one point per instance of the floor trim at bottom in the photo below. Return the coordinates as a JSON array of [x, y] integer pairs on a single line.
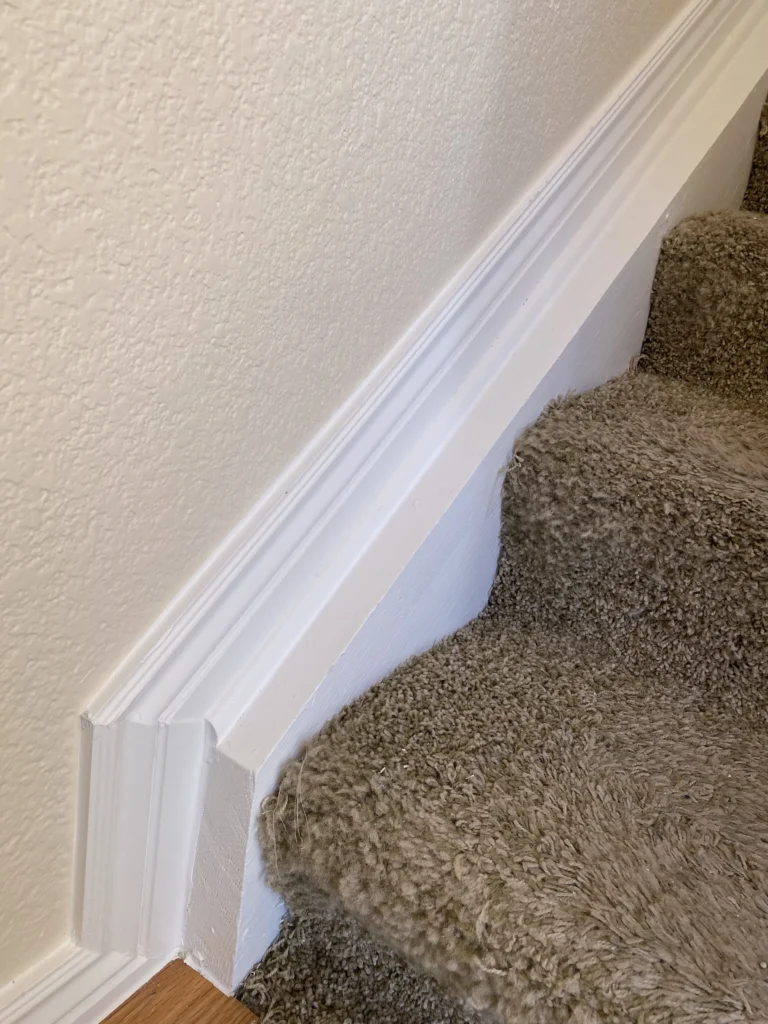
[[75, 986]]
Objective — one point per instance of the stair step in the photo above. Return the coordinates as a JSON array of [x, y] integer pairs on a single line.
[[324, 968], [756, 197], [637, 515], [708, 323], [540, 829]]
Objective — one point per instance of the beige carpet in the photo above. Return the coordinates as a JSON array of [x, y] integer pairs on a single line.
[[560, 813]]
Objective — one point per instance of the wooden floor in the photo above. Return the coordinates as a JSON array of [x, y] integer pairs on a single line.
[[178, 995]]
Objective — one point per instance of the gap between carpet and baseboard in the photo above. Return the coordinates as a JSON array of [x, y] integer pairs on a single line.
[[205, 706]]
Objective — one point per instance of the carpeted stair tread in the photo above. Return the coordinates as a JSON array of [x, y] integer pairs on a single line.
[[551, 836], [708, 323], [756, 198], [325, 969], [628, 509]]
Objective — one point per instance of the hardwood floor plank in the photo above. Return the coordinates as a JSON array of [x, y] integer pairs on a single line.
[[178, 995]]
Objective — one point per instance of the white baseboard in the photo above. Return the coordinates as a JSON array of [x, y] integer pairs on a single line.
[[191, 730], [74, 986]]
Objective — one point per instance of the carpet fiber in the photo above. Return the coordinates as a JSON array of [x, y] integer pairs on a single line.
[[559, 813]]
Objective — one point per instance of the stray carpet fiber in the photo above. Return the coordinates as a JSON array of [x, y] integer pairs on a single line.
[[559, 813]]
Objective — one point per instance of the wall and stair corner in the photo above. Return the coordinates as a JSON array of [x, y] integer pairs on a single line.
[[192, 301], [557, 812], [190, 292], [233, 914]]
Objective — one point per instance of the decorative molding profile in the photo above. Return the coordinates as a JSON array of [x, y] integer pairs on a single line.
[[74, 986], [242, 649]]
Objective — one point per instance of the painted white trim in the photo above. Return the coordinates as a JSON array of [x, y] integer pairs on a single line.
[[255, 631], [74, 986], [179, 662]]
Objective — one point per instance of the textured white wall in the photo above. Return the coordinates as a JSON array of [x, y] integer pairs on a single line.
[[216, 218]]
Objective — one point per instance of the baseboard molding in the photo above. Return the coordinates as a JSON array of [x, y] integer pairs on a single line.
[[206, 704], [75, 986]]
